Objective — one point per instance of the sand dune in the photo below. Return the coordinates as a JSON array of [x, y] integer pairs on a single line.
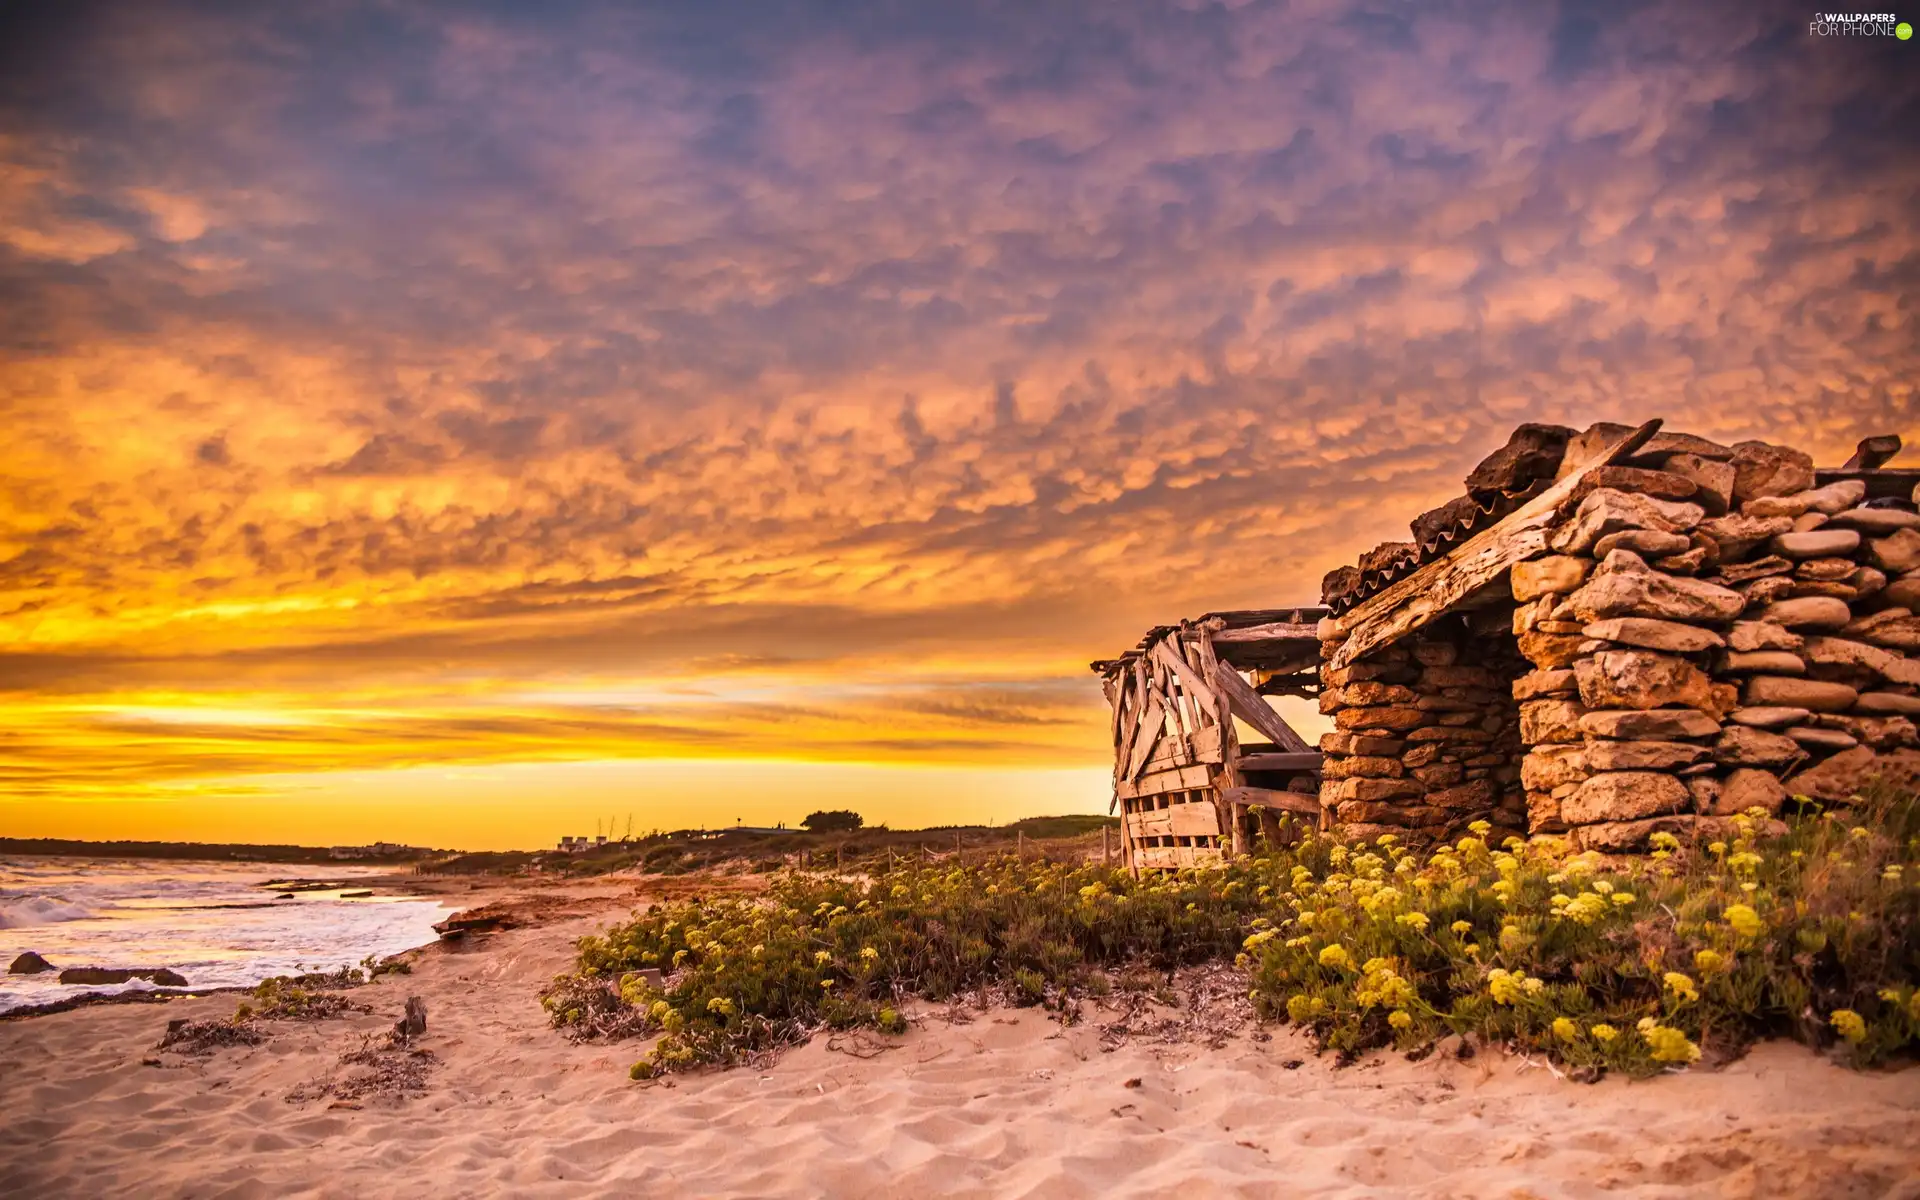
[[1008, 1105]]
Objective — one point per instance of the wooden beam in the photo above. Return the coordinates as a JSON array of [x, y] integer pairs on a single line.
[[1874, 451], [1253, 797], [1247, 704], [1153, 724], [1273, 631], [1189, 678], [1177, 820], [1882, 483], [1430, 591], [1175, 779], [1308, 761]]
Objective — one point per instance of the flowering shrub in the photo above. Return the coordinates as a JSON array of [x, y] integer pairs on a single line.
[[1634, 966]]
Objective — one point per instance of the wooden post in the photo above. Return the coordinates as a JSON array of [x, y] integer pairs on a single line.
[[1106, 846], [1021, 835]]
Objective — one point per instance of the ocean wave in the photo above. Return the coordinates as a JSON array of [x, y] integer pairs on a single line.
[[19, 912]]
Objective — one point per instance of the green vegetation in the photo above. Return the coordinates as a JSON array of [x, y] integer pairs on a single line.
[[1632, 966], [839, 820], [751, 851]]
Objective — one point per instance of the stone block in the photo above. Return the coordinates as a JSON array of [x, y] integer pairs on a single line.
[[1559, 573], [1713, 481], [1640, 679], [1817, 543], [1769, 716], [1855, 769], [1763, 662], [1550, 721], [1743, 746], [1474, 795], [1659, 724], [1652, 634], [1647, 542], [1663, 597], [1816, 695], [1887, 704], [1440, 775], [1533, 684], [1392, 717], [1619, 837], [1547, 767], [1625, 796], [1436, 654], [1375, 789], [1890, 665], [1760, 469], [1877, 521], [1610, 511], [1550, 651], [1808, 612], [1642, 755], [1737, 534], [1897, 552]]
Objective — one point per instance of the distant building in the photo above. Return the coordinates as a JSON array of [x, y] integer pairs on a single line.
[[372, 850]]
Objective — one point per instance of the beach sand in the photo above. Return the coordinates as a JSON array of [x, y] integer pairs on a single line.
[[1009, 1104]]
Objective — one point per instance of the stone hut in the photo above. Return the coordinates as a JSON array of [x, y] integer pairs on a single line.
[[1622, 631], [1613, 633]]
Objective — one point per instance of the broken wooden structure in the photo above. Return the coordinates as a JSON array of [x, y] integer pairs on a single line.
[[1613, 633], [1188, 789]]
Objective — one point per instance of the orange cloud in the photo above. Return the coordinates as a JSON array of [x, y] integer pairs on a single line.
[[865, 373]]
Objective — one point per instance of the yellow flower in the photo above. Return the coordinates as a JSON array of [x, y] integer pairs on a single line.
[[1681, 986], [1716, 848], [1603, 1033], [1847, 1024], [1416, 920], [1565, 1030], [1480, 828], [1461, 927], [1335, 956], [1622, 898], [1602, 886], [822, 957], [1400, 1019], [1708, 961], [721, 1005], [868, 954], [1745, 921], [1670, 1045]]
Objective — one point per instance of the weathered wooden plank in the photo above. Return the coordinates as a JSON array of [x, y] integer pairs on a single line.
[[1431, 590], [1305, 760], [1178, 779], [1200, 819], [1189, 678], [1249, 707], [1171, 753], [1273, 631], [1153, 724], [1169, 858], [1300, 802], [1881, 482]]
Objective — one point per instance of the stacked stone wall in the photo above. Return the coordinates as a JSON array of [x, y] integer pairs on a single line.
[[1707, 632], [1427, 736]]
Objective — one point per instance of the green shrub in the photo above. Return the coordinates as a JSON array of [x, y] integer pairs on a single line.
[[1634, 965]]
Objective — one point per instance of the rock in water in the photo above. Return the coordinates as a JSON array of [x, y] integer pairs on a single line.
[[166, 978], [29, 964], [95, 975], [414, 1024]]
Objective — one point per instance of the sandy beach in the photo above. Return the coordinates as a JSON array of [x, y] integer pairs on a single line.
[[1006, 1104]]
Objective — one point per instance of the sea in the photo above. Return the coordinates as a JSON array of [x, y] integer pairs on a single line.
[[212, 922]]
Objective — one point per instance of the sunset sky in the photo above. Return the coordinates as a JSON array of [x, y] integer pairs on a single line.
[[459, 423]]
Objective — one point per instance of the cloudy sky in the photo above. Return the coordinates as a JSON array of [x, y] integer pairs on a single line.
[[458, 423]]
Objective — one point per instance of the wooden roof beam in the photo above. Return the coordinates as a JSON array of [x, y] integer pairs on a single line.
[[1433, 589]]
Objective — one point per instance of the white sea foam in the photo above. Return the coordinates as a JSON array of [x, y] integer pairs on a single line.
[[22, 912], [211, 922]]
